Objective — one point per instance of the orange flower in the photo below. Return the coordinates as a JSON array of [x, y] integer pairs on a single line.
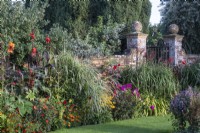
[[11, 47], [45, 107], [71, 120], [34, 107]]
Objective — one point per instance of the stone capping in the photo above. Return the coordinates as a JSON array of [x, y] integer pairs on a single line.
[[137, 26], [173, 35], [173, 29], [138, 34]]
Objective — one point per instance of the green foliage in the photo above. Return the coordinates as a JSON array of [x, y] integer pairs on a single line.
[[61, 40], [16, 23], [149, 105], [78, 16], [145, 15], [154, 35], [124, 105], [185, 14], [105, 38], [76, 80], [157, 79], [189, 75]]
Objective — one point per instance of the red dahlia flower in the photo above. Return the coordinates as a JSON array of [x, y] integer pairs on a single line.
[[114, 67], [34, 52], [32, 35], [48, 40], [183, 62], [65, 102]]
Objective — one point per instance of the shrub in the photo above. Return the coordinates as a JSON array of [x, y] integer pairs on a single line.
[[24, 20], [189, 75], [124, 96], [61, 40], [124, 102], [152, 78], [185, 107]]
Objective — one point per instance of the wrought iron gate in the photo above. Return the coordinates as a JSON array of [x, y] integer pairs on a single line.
[[158, 53]]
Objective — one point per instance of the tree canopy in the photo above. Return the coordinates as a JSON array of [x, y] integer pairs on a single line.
[[187, 16], [78, 16]]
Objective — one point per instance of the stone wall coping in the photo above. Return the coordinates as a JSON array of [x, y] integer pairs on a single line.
[[192, 55]]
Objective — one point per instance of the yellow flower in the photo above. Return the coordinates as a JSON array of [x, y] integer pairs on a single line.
[[69, 124], [1, 113], [70, 100], [112, 106]]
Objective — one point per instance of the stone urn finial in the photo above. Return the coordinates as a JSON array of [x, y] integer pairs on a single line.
[[137, 26], [173, 29]]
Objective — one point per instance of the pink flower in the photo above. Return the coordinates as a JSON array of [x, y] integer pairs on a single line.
[[136, 92], [13, 83], [115, 93], [126, 86], [118, 86], [47, 121], [42, 115], [183, 62]]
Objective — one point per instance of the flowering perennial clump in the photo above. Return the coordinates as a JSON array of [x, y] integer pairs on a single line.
[[185, 107]]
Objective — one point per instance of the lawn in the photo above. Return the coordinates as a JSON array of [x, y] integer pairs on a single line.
[[158, 124]]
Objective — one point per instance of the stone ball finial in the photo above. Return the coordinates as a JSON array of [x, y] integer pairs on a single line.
[[137, 26], [173, 29]]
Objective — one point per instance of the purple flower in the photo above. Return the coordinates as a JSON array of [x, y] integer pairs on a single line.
[[123, 88], [129, 85], [152, 107], [126, 86]]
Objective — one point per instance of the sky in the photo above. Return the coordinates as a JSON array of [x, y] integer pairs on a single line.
[[155, 14]]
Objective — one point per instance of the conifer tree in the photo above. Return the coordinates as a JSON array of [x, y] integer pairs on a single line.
[[78, 16]]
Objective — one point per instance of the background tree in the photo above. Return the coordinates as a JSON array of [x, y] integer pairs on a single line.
[[187, 16], [78, 16]]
